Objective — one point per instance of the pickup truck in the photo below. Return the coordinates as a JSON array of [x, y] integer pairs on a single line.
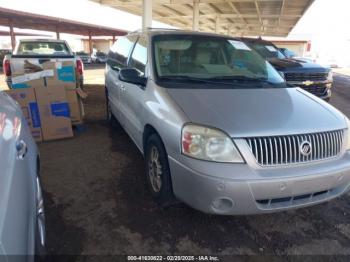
[[39, 51], [307, 75]]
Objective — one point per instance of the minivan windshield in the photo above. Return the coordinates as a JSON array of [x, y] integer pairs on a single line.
[[267, 50], [210, 58]]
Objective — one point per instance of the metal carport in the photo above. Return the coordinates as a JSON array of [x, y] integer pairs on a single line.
[[232, 17], [24, 20]]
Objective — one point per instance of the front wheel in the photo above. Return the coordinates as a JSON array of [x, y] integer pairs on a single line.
[[158, 172]]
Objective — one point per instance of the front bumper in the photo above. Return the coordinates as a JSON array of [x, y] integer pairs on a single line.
[[238, 189]]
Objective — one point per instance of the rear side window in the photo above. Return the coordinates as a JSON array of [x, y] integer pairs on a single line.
[[42, 49], [118, 55], [138, 58]]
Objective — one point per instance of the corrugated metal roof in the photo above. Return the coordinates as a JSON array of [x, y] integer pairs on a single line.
[[234, 17], [27, 20]]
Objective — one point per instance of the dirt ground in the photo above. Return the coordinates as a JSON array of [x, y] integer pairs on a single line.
[[97, 204]]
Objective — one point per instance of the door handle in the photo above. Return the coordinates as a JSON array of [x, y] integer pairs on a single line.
[[122, 87], [22, 149]]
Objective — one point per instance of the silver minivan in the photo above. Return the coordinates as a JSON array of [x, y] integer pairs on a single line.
[[219, 127], [22, 218]]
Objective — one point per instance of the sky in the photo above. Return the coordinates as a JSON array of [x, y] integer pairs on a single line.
[[329, 18], [326, 23]]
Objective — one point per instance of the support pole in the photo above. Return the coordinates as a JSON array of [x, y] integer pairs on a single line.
[[90, 43], [13, 37], [113, 38], [57, 34], [147, 14], [217, 25], [195, 25]]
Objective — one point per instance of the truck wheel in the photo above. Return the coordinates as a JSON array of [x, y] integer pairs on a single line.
[[158, 172]]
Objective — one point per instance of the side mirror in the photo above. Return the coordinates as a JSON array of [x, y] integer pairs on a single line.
[[131, 75]]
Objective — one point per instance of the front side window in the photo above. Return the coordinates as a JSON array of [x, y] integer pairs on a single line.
[[118, 55], [210, 58], [43, 49], [138, 58]]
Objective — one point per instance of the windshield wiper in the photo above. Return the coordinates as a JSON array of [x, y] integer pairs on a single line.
[[233, 81], [192, 79], [242, 78]]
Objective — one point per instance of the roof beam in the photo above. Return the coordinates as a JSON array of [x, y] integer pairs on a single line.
[[281, 13], [259, 16], [228, 16], [173, 2], [247, 16]]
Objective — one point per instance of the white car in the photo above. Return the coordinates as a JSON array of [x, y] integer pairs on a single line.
[[22, 219]]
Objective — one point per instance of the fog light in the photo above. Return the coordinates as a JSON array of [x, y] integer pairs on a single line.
[[223, 204]]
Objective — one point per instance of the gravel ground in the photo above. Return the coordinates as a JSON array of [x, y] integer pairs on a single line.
[[97, 204]]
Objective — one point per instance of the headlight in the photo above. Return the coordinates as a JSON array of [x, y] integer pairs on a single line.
[[209, 144], [348, 131]]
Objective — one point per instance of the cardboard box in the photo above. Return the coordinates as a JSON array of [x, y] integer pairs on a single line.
[[28, 74], [75, 107], [54, 112], [25, 66], [28, 84], [27, 100], [32, 76], [63, 74]]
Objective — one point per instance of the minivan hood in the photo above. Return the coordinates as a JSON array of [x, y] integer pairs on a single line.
[[293, 64], [258, 112]]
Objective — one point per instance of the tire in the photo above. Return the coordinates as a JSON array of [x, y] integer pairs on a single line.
[[157, 171]]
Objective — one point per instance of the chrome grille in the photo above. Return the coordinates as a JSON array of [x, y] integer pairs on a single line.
[[318, 90], [306, 76], [284, 150]]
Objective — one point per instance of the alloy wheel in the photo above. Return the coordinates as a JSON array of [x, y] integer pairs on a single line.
[[155, 169]]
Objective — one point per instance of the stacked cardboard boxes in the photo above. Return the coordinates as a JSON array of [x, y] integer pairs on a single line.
[[27, 100], [53, 91]]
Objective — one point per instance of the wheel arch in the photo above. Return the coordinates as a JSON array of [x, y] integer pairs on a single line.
[[147, 132]]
